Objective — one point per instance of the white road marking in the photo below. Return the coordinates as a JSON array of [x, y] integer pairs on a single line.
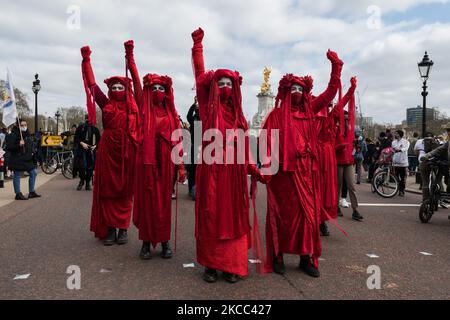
[[188, 265], [426, 253], [22, 276], [388, 205], [371, 255]]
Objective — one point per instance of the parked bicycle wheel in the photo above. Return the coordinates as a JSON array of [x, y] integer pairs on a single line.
[[67, 168], [426, 211], [385, 185], [50, 166]]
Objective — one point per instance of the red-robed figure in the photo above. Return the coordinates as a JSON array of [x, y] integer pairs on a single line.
[[152, 213], [326, 128], [294, 193], [114, 168], [222, 227], [327, 121]]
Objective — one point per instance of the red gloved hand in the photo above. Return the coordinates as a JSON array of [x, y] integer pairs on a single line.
[[129, 47], [86, 52], [334, 58], [264, 179], [353, 82], [198, 35]]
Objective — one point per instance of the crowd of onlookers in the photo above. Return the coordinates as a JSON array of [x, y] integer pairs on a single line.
[[406, 153]]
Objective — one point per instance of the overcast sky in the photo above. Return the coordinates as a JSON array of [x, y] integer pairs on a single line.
[[379, 41]]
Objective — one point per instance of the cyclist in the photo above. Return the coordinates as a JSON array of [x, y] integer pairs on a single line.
[[441, 154]]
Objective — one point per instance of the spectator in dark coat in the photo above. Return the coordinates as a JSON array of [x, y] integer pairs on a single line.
[[22, 148]]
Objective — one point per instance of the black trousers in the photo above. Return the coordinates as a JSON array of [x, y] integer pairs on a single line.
[[191, 176], [86, 168], [400, 173], [344, 190]]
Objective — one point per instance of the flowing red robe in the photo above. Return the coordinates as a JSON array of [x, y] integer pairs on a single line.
[[222, 226], [328, 166], [115, 159], [294, 193], [152, 213]]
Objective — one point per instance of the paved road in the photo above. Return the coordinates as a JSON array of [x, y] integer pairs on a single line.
[[44, 236]]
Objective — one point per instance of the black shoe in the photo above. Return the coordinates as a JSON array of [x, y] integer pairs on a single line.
[[145, 253], [122, 236], [20, 196], [356, 216], [80, 186], [306, 265], [88, 186], [33, 194], [231, 278], [210, 275], [166, 250], [110, 238], [340, 214], [324, 230], [278, 265]]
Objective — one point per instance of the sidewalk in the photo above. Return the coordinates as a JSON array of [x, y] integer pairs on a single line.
[[7, 193], [412, 186]]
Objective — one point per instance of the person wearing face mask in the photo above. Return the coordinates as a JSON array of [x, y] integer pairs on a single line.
[[344, 151], [294, 206], [115, 159], [222, 226], [155, 170], [22, 148]]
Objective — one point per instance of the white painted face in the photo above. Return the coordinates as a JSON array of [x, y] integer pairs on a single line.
[[158, 87], [117, 87], [225, 82], [296, 88]]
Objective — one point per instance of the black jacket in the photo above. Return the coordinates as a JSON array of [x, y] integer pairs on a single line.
[[22, 158]]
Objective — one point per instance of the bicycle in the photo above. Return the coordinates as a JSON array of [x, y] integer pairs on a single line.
[[431, 204], [384, 181], [60, 160]]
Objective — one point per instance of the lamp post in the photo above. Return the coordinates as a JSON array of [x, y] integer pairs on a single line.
[[57, 115], [36, 87], [424, 70]]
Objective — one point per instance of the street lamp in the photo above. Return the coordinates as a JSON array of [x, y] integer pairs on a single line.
[[57, 115], [424, 70], [36, 87]]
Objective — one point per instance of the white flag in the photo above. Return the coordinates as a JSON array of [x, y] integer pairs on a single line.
[[8, 101]]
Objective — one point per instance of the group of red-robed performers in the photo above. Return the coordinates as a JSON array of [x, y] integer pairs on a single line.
[[134, 170]]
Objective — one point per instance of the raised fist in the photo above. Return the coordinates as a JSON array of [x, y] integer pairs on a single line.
[[333, 57], [197, 35], [129, 46], [86, 52], [353, 82]]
